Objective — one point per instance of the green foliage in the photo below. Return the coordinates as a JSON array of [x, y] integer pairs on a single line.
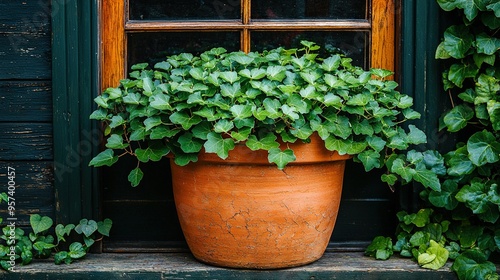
[[208, 103], [462, 221], [17, 247]]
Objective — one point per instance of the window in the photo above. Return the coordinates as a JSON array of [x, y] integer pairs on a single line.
[[134, 31]]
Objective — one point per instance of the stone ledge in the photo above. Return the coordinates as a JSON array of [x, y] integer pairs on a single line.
[[333, 265]]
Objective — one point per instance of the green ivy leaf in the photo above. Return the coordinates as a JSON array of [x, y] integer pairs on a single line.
[[486, 88], [183, 119], [265, 143], [458, 72], [87, 227], [370, 159], [390, 179], [115, 141], [281, 158], [223, 126], [155, 151], [40, 224], [332, 63], [216, 144], [478, 196], [62, 230], [160, 101], [416, 136], [105, 157], [185, 159], [241, 111], [457, 118], [446, 197], [135, 176], [99, 114], [380, 248], [434, 257], [495, 7], [398, 167], [473, 264], [62, 257], [493, 108], [188, 144], [132, 98], [116, 121], [104, 227], [428, 178], [483, 148], [231, 90], [487, 44], [229, 76], [76, 250], [457, 40]]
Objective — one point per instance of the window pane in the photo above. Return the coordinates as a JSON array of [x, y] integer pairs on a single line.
[[184, 9], [352, 44], [309, 9], [155, 46]]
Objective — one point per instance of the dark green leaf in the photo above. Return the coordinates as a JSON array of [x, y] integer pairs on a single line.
[[457, 118], [380, 248], [104, 227], [473, 264], [135, 176], [457, 40], [483, 148], [487, 44]]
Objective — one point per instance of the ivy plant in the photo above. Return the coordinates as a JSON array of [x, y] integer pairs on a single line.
[[19, 247], [461, 220], [189, 104]]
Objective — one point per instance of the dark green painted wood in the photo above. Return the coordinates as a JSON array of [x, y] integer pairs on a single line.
[[26, 101], [25, 56], [26, 141], [34, 191], [25, 39], [74, 62], [27, 16], [420, 76]]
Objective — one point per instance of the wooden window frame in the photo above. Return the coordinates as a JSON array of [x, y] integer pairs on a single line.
[[115, 24]]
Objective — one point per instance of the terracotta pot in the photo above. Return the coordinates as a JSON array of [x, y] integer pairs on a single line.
[[243, 212]]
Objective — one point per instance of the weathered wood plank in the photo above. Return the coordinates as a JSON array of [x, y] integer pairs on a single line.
[[28, 16], [26, 141], [34, 193], [26, 101], [184, 266], [25, 56]]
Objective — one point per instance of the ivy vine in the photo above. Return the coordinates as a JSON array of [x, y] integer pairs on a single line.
[[461, 221]]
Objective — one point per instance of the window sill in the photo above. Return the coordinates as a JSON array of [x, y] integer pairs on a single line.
[[338, 265]]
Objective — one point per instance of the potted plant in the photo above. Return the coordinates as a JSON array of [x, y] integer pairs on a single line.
[[258, 143]]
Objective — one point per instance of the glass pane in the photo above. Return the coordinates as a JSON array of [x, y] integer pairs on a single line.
[[351, 43], [309, 9], [184, 9], [155, 46]]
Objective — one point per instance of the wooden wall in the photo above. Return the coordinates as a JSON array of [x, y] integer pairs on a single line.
[[26, 105]]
